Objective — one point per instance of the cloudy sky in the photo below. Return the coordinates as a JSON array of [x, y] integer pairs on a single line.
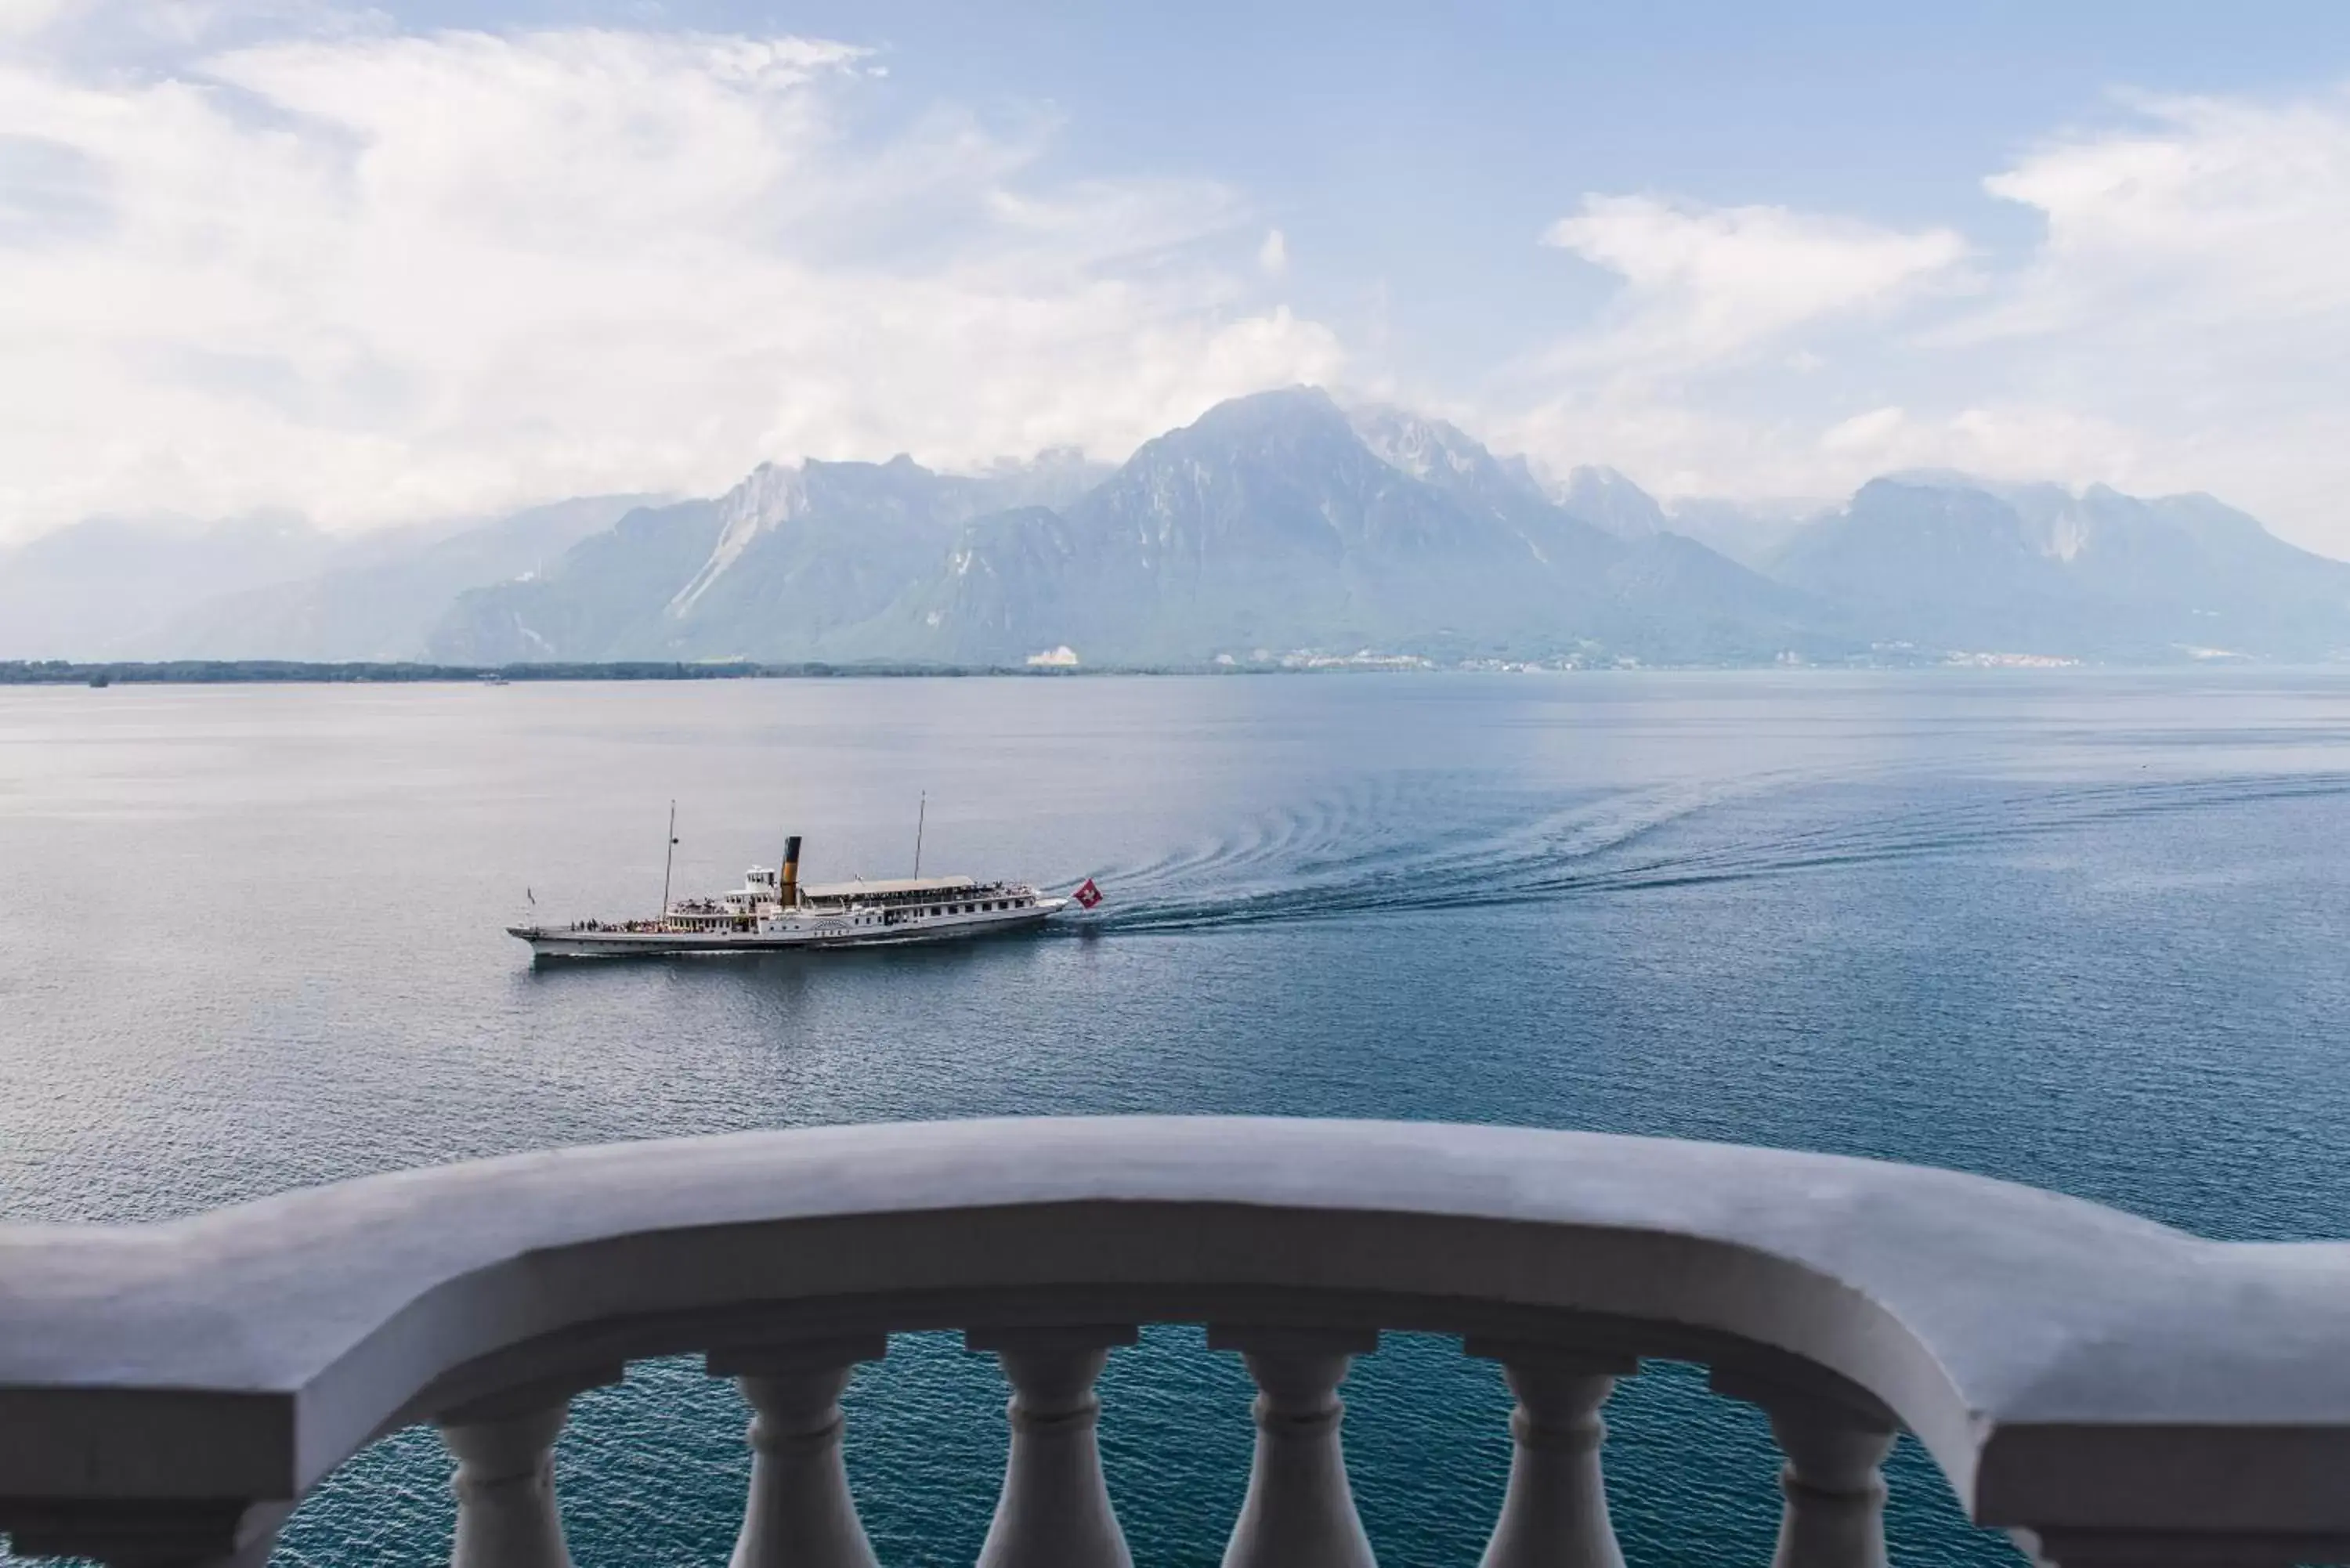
[[413, 261]]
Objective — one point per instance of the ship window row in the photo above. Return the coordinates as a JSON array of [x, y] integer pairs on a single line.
[[985, 907]]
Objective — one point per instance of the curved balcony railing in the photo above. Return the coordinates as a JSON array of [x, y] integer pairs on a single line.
[[2112, 1391]]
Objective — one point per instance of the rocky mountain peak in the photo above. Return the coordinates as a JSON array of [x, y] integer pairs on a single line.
[[1427, 449], [1607, 499]]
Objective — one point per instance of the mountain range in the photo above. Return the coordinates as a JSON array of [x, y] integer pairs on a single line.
[[170, 587], [1276, 527]]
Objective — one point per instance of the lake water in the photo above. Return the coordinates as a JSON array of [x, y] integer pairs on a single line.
[[2084, 931]]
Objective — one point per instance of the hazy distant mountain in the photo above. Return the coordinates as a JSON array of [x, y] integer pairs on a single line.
[[1267, 523], [591, 604], [1605, 497], [790, 564], [1503, 489], [1953, 563], [92, 591], [381, 608], [1932, 561], [1749, 532], [1274, 523], [1054, 477], [1444, 456], [1278, 522]]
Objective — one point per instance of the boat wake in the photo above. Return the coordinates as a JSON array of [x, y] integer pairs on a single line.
[[1393, 849]]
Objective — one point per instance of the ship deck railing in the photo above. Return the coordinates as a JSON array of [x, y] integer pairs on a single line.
[[2114, 1393]]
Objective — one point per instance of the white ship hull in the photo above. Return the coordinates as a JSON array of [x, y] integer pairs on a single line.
[[848, 929], [772, 912]]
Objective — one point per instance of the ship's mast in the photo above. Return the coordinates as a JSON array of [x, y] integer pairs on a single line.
[[669, 858], [920, 813]]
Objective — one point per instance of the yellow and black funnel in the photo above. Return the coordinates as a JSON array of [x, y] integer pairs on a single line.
[[788, 892]]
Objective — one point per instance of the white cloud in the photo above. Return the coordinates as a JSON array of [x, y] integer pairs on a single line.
[[1704, 285], [1680, 379], [1273, 256], [2192, 289], [375, 276], [2181, 324], [23, 18], [2009, 442], [1867, 433], [2232, 213], [308, 262], [123, 32]]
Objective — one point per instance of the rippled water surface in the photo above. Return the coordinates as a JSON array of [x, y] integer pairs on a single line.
[[2080, 930]]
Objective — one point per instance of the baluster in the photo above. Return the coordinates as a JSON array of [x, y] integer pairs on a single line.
[[1300, 1512], [1835, 1512], [1055, 1510], [504, 1446], [1554, 1514], [799, 1513]]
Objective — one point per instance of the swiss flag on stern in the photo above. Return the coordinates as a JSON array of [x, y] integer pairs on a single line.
[[1087, 896]]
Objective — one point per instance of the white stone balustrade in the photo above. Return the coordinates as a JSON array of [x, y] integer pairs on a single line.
[[2114, 1393], [1834, 1507], [506, 1516], [799, 1513], [1299, 1511], [1054, 1511], [1554, 1513]]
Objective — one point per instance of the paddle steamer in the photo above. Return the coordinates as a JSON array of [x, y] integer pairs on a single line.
[[773, 909]]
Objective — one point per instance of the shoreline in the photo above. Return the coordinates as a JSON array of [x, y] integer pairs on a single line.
[[283, 673]]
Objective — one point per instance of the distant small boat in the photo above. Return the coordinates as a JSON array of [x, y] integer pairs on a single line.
[[774, 911]]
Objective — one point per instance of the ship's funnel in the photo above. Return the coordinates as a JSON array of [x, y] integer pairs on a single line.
[[787, 891]]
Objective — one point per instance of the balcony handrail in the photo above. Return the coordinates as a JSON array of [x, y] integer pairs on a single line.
[[2069, 1366]]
